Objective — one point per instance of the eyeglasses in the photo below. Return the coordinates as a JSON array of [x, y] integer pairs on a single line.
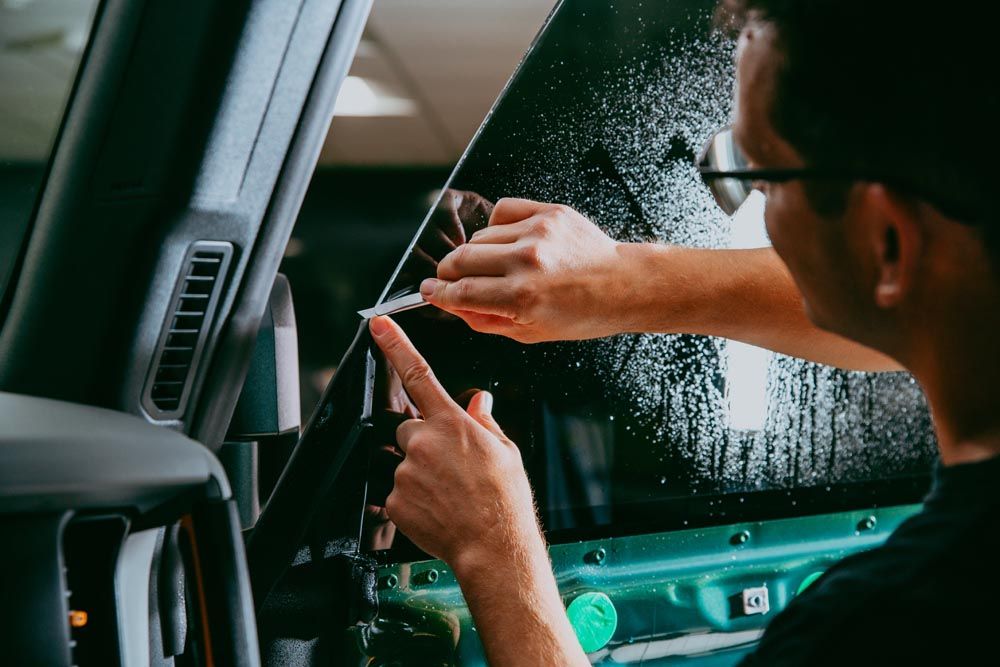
[[727, 173]]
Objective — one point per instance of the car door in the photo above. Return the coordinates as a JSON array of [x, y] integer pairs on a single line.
[[148, 219], [689, 487]]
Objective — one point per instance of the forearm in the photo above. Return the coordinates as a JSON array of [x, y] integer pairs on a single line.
[[516, 607], [744, 295]]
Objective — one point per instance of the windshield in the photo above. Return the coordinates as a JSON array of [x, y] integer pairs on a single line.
[[635, 432], [41, 43]]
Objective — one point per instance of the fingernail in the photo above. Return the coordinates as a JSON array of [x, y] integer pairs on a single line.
[[428, 286], [487, 401], [378, 326]]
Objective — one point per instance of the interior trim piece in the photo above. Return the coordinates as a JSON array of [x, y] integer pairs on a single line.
[[63, 455], [188, 321], [228, 367], [132, 593]]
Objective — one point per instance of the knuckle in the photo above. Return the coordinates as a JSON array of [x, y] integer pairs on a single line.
[[404, 430], [402, 477], [500, 208], [562, 213], [543, 227], [416, 449], [460, 291], [417, 372], [392, 344], [531, 255], [393, 505], [460, 254]]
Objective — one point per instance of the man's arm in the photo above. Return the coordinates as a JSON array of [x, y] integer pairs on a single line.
[[543, 272], [516, 606], [461, 494], [744, 295]]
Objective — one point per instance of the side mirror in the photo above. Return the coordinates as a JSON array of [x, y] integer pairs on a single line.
[[267, 418]]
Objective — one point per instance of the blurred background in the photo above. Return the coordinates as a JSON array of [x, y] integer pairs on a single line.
[[425, 75]]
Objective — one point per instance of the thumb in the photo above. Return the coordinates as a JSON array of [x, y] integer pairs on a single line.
[[481, 409]]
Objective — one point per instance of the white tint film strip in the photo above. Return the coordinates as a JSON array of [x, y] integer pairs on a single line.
[[407, 302]]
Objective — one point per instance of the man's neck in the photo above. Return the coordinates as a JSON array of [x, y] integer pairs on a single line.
[[961, 379]]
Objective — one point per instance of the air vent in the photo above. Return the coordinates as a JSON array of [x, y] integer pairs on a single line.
[[186, 328]]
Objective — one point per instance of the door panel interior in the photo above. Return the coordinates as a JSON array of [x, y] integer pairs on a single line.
[[677, 598], [189, 138]]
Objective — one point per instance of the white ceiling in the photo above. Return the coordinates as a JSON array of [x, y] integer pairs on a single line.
[[451, 57], [444, 59]]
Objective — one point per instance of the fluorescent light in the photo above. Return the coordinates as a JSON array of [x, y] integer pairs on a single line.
[[746, 368], [363, 97]]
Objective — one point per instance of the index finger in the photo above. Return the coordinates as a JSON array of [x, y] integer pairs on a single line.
[[416, 374], [509, 210]]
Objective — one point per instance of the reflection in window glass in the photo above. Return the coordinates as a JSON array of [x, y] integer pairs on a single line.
[[631, 432], [41, 43]]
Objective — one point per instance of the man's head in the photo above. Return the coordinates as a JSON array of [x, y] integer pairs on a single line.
[[903, 98]]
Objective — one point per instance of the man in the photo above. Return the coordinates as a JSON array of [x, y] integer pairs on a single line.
[[854, 118]]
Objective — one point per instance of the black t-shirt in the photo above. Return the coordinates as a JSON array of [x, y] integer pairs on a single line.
[[929, 596]]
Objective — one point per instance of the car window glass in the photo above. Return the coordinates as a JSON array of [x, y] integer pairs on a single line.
[[635, 432], [41, 43]]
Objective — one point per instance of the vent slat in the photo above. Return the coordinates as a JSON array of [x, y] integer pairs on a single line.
[[187, 325]]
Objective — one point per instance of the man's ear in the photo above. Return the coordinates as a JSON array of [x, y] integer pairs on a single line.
[[897, 240]]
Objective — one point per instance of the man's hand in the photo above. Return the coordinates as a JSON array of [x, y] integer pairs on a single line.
[[461, 494], [461, 490], [538, 272]]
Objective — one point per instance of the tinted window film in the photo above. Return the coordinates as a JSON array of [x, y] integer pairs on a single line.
[[41, 43], [635, 432]]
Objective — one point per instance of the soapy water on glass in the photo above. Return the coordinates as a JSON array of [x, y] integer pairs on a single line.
[[818, 424], [774, 421]]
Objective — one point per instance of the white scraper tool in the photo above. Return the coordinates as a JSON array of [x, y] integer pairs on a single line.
[[407, 302]]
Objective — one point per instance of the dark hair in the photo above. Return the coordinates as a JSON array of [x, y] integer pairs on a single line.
[[896, 91]]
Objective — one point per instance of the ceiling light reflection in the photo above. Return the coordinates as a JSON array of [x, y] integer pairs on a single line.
[[364, 97]]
